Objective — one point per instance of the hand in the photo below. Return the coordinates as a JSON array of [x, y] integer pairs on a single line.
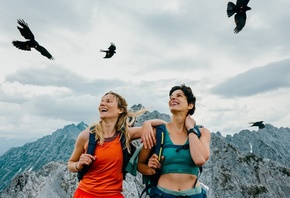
[[148, 135], [85, 159], [189, 122], [154, 163]]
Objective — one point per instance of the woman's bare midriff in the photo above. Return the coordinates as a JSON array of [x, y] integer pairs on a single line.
[[177, 181]]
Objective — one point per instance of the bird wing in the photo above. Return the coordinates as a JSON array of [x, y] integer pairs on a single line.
[[44, 52], [23, 45], [242, 2], [240, 20], [109, 54], [112, 47], [24, 30], [231, 9]]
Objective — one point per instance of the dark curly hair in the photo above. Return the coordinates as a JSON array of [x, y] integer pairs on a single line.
[[188, 93]]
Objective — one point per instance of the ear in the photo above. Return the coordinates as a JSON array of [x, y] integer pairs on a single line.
[[190, 106], [120, 111]]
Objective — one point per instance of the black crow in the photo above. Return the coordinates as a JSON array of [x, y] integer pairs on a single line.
[[240, 10], [258, 124], [31, 42], [111, 51]]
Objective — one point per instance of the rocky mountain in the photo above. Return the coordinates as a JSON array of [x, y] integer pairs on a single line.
[[233, 172], [34, 155], [247, 164], [7, 143]]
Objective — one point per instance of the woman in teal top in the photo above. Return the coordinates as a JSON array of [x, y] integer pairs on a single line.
[[179, 170]]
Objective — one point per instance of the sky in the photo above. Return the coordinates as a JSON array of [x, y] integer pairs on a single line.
[[236, 78]]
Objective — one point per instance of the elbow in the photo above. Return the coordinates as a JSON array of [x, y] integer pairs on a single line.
[[201, 161]]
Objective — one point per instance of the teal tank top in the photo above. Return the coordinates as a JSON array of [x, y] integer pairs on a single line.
[[177, 158]]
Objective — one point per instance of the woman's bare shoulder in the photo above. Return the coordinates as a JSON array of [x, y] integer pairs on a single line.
[[84, 135]]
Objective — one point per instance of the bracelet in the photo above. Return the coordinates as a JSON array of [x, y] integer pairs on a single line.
[[195, 131], [75, 166]]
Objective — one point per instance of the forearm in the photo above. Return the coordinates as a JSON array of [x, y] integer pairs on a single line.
[[143, 160], [199, 148], [73, 166], [145, 170]]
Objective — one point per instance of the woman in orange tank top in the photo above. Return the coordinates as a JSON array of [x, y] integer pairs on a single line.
[[104, 177]]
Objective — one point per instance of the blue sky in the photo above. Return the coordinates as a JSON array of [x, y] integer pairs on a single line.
[[237, 78]]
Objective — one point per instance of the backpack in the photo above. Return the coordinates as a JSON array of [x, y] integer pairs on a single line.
[[151, 180], [92, 147]]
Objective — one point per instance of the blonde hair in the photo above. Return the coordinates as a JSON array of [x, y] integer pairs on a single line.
[[122, 125]]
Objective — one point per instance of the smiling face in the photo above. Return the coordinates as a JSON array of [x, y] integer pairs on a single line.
[[109, 107], [178, 102]]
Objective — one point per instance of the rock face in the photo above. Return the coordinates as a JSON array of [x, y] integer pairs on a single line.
[[32, 156], [231, 172], [247, 164], [52, 180]]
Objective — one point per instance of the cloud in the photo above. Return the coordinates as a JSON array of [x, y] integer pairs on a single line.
[[55, 96], [255, 81], [159, 44], [55, 76]]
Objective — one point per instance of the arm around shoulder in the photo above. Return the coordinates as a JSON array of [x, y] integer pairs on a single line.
[[146, 132]]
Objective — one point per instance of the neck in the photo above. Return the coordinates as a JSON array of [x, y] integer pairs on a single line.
[[177, 124], [109, 128]]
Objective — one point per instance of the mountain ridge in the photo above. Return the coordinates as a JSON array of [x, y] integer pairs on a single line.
[[247, 164]]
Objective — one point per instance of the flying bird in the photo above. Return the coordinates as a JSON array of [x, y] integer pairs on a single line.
[[258, 124], [31, 42], [110, 52], [239, 10]]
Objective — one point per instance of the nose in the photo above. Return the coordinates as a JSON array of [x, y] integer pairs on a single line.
[[172, 97], [102, 103]]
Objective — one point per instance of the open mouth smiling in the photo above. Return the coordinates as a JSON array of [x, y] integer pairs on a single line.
[[103, 110], [174, 103]]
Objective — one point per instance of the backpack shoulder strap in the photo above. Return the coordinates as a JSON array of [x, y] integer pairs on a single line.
[[91, 150], [160, 136], [126, 155], [92, 144]]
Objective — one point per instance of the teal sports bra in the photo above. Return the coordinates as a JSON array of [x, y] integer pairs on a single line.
[[177, 158]]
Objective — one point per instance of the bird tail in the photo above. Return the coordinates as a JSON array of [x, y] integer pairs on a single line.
[[231, 9]]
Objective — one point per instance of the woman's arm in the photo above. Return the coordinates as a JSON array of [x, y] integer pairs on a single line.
[[146, 132], [146, 165], [148, 136], [199, 147], [78, 158]]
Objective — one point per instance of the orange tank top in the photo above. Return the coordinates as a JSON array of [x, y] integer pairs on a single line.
[[104, 177]]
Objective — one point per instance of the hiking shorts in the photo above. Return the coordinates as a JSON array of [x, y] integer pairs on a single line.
[[158, 192]]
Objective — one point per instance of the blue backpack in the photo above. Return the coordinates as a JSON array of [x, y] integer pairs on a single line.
[[92, 147]]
